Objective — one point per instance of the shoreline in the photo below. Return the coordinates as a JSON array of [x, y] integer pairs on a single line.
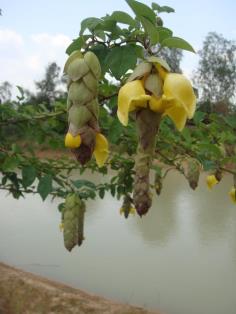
[[25, 292]]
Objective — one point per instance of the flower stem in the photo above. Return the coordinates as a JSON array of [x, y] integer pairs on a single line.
[[147, 124]]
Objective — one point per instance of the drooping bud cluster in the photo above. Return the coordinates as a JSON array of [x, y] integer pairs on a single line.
[[73, 221], [83, 136], [150, 93], [192, 172]]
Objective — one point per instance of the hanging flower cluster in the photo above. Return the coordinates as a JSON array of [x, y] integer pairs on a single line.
[[83, 136], [72, 223], [150, 93]]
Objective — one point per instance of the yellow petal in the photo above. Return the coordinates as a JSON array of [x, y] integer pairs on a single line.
[[177, 86], [131, 96], [163, 72], [72, 141], [232, 194], [211, 181], [101, 149], [156, 104], [177, 114], [132, 210]]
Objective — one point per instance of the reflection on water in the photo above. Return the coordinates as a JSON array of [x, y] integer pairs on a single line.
[[180, 258]]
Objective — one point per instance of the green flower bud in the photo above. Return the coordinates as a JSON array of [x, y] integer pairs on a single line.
[[73, 219], [79, 116], [82, 105], [91, 83], [93, 107], [73, 56], [154, 84], [79, 93], [192, 172], [93, 63], [77, 69]]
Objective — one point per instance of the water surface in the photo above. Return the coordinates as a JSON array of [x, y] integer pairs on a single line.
[[180, 258]]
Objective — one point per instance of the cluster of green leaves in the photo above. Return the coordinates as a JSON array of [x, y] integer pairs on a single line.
[[119, 47], [207, 138]]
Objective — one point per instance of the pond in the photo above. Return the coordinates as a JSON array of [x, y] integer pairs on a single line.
[[179, 259]]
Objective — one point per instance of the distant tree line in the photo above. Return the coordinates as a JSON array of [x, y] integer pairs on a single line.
[[214, 79]]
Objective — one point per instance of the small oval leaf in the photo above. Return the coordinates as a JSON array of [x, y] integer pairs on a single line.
[[176, 42]]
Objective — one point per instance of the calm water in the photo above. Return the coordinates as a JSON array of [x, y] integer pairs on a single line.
[[180, 258]]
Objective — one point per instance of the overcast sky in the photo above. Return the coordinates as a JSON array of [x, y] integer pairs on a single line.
[[34, 33]]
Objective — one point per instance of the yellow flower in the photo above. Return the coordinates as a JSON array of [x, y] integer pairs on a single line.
[[211, 181], [178, 100], [131, 96], [232, 194], [131, 210], [72, 141], [101, 149]]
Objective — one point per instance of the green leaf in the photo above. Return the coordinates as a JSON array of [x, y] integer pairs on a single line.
[[142, 10], [198, 117], [45, 186], [16, 148], [208, 165], [91, 23], [108, 24], [77, 44], [113, 189], [84, 183], [161, 9], [231, 121], [100, 34], [150, 29], [166, 9], [156, 6], [122, 17], [138, 50], [22, 93], [176, 42], [121, 59], [101, 52], [61, 207], [28, 175], [115, 131], [101, 193], [186, 135], [164, 33], [209, 149], [10, 163]]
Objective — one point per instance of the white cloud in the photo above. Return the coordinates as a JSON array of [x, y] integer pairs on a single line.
[[34, 62], [10, 37], [23, 59], [58, 40]]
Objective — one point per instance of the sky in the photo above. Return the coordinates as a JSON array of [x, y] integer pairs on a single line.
[[35, 33]]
